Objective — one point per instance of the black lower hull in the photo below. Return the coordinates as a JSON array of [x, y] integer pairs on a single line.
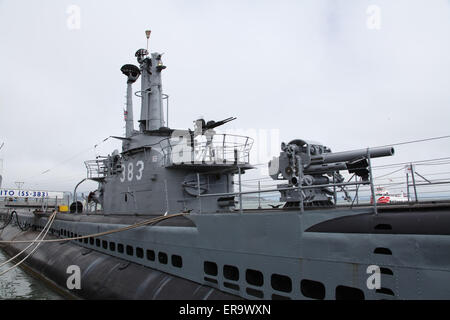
[[104, 276]]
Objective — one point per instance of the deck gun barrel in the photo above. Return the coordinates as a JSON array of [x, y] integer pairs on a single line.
[[214, 124], [352, 155]]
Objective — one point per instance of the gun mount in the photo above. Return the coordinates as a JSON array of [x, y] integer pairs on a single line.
[[307, 163]]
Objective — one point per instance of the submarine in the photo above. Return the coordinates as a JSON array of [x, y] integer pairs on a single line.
[[167, 221]]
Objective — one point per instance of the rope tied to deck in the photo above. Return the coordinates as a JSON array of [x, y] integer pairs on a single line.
[[99, 234]]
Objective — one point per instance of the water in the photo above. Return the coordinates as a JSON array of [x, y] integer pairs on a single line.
[[17, 284]]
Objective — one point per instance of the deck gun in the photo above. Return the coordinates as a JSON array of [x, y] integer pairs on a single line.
[[307, 163], [205, 126]]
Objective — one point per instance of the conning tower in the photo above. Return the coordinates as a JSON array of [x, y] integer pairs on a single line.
[[162, 170]]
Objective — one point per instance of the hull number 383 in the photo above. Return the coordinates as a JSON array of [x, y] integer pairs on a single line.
[[131, 171]]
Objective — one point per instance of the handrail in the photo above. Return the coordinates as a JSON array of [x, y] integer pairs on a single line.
[[282, 189], [217, 148]]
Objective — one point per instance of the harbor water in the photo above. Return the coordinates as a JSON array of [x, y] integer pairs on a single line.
[[17, 284]]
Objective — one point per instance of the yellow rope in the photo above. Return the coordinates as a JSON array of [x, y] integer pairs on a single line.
[[139, 224]]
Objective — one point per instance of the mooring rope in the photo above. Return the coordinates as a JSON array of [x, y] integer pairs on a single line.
[[50, 220], [7, 222], [24, 227], [139, 224]]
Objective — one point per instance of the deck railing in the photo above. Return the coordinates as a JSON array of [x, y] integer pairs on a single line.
[[216, 149], [420, 187], [96, 169]]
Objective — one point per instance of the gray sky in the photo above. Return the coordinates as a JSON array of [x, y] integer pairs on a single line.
[[310, 69]]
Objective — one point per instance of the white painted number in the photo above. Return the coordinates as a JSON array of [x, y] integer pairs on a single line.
[[130, 174], [122, 178], [140, 164], [130, 171]]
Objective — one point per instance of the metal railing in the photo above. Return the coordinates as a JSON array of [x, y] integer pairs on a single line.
[[241, 193], [216, 149], [96, 169], [362, 193]]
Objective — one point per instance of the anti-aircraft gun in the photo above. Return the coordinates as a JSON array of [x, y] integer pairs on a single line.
[[200, 124], [307, 163]]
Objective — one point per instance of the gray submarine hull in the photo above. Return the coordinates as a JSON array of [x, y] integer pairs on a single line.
[[104, 277]]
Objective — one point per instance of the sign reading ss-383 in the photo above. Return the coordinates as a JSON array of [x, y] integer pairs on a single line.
[[14, 193]]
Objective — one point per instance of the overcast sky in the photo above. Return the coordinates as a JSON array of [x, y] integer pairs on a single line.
[[349, 74]]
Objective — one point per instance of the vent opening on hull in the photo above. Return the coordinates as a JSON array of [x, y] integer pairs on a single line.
[[385, 291], [210, 268], [387, 271], [255, 293], [254, 277], [281, 283], [231, 286], [231, 272], [211, 280], [348, 293], [177, 261], [151, 255], [312, 289], [380, 250], [130, 250], [162, 257]]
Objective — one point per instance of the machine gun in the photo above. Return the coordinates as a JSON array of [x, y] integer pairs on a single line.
[[211, 124], [307, 163]]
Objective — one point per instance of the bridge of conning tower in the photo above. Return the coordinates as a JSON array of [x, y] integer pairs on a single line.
[[218, 151]]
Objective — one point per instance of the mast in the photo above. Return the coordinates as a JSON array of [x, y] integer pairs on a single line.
[[152, 114], [132, 72]]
